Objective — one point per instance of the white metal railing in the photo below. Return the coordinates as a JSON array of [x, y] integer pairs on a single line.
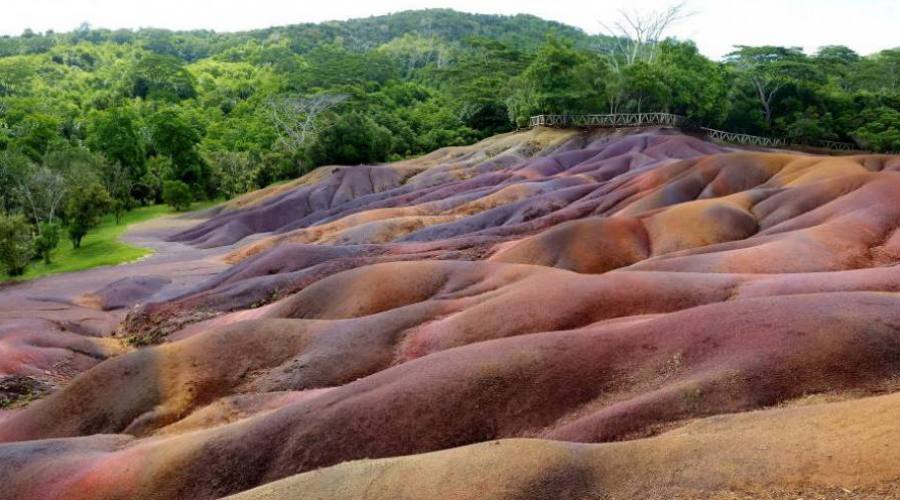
[[610, 120], [840, 146], [744, 139], [617, 120]]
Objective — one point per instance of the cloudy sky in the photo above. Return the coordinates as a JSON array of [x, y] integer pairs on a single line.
[[864, 25]]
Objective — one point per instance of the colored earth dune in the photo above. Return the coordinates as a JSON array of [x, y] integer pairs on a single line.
[[545, 314]]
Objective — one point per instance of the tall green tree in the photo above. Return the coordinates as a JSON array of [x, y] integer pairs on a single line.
[[87, 205], [116, 133], [765, 72], [16, 245], [697, 87], [353, 139], [560, 79], [162, 77], [839, 64], [36, 134], [880, 72], [174, 135], [478, 81], [881, 131], [159, 170]]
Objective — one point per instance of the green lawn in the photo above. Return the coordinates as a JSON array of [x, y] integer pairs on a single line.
[[101, 246]]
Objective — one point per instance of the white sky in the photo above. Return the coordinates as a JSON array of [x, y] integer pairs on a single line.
[[864, 25]]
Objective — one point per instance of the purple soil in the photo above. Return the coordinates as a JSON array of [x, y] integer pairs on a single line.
[[559, 285]]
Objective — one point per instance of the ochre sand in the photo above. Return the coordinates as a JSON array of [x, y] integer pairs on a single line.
[[548, 314]]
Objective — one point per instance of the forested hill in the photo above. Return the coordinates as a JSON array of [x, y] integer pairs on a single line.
[[362, 34], [523, 31], [226, 112]]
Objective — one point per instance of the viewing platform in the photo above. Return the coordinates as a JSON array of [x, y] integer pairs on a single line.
[[626, 120], [608, 121]]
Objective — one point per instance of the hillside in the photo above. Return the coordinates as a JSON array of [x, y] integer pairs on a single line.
[[409, 294], [226, 113], [543, 314], [362, 34]]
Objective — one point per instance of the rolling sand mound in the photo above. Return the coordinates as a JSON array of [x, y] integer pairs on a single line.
[[550, 314], [835, 450]]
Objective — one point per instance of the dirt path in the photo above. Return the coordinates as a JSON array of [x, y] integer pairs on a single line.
[[51, 329]]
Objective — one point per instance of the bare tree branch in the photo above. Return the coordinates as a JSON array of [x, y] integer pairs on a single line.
[[637, 34], [636, 37], [299, 119], [43, 190]]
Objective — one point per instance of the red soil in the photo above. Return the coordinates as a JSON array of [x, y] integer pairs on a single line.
[[576, 288]]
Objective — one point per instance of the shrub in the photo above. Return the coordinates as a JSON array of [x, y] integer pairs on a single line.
[[354, 139], [47, 241], [177, 195], [159, 170], [277, 166], [882, 132], [235, 171], [87, 204], [16, 245]]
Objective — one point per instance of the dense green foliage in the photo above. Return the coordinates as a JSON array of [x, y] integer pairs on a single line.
[[87, 204], [46, 241], [16, 247], [177, 195], [224, 113], [102, 246]]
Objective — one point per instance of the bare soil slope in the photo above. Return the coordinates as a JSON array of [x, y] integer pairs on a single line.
[[657, 316]]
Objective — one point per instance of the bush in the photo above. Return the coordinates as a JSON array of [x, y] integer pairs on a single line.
[[882, 131], [354, 139], [159, 170], [47, 241], [235, 171], [87, 204], [278, 166], [16, 246], [175, 133], [177, 195]]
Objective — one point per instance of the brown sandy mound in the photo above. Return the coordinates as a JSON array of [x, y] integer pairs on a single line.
[[838, 450], [647, 308]]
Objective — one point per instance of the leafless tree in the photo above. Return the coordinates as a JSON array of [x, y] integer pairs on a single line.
[[43, 191], [637, 35], [119, 185], [300, 119]]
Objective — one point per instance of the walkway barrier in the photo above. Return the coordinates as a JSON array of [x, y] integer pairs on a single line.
[[744, 139], [611, 120], [621, 120], [839, 146]]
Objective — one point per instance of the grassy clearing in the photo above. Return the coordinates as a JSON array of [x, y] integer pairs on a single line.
[[101, 246]]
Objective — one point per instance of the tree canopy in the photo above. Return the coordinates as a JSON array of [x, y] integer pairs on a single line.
[[225, 113]]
